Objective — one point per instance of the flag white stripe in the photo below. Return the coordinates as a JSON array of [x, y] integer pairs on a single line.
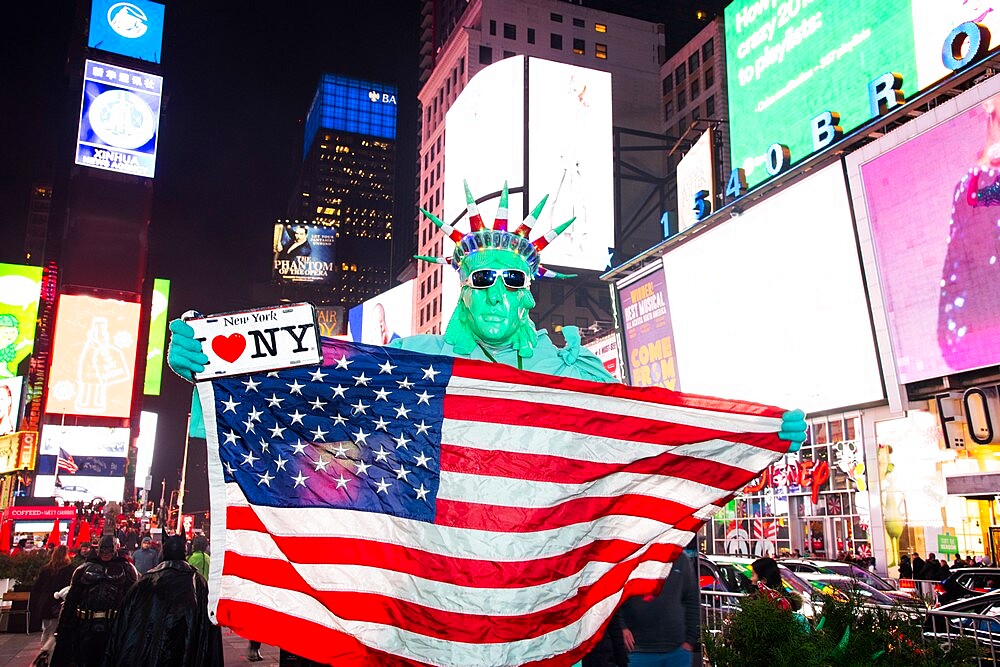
[[507, 492], [434, 651], [448, 541], [429, 592], [555, 442], [549, 399]]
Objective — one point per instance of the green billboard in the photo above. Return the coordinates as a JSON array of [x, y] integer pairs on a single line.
[[20, 287], [788, 61], [157, 337]]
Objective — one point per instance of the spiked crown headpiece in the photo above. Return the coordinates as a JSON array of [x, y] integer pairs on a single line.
[[480, 237]]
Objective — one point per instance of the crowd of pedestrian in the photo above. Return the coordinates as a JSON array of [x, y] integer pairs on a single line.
[[933, 568]]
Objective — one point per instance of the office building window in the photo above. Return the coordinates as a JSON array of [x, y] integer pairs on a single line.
[[695, 88], [679, 74], [461, 65], [668, 84], [531, 35], [707, 49], [681, 100], [493, 27], [556, 17], [509, 31], [709, 78], [601, 51], [710, 106], [600, 27], [555, 41], [579, 23], [668, 110], [694, 113], [485, 55], [693, 61], [579, 48], [508, 54]]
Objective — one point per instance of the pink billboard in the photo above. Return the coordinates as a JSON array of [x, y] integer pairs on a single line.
[[934, 207]]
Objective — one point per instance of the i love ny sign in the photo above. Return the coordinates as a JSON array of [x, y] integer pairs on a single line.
[[264, 339]]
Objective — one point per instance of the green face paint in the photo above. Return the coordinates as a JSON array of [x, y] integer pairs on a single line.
[[495, 312]]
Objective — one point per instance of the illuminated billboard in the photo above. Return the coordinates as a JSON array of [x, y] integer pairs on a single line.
[[771, 307], [695, 173], [93, 357], [119, 119], [383, 318], [304, 253], [145, 445], [570, 160], [648, 332], [82, 462], [331, 321], [930, 203], [788, 62], [133, 29], [606, 349], [351, 105], [20, 288], [11, 400], [17, 451], [157, 337]]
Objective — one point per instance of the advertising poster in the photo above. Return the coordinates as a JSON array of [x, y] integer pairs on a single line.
[[145, 445], [119, 119], [606, 349], [82, 463], [157, 337], [93, 357], [570, 159], [304, 253], [934, 229], [133, 28], [17, 451], [649, 336], [20, 288], [384, 318], [331, 321], [787, 61], [728, 287], [695, 173], [10, 403]]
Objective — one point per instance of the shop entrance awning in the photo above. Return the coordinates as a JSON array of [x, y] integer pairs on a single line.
[[977, 486]]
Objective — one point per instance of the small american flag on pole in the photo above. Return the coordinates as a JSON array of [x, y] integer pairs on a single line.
[[391, 507], [66, 463]]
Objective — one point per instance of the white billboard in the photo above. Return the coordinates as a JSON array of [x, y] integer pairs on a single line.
[[606, 349], [770, 306], [10, 403], [383, 318], [695, 172], [145, 445], [570, 159], [82, 462], [567, 126]]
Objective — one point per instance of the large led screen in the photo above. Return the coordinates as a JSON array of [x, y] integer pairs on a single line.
[[82, 463], [570, 160], [494, 99], [145, 445], [933, 203], [695, 174], [157, 337], [10, 403], [789, 61], [383, 318], [133, 28], [20, 287], [648, 332], [119, 119], [93, 357], [770, 306], [304, 253]]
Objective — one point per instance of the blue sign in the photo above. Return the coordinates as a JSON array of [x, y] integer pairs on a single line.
[[119, 119], [351, 105], [133, 29]]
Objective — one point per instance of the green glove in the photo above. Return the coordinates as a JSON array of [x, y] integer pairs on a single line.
[[793, 428], [184, 355]]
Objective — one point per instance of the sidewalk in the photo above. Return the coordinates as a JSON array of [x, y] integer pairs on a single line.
[[19, 650]]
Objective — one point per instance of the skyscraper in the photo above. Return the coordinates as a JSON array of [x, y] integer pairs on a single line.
[[346, 184]]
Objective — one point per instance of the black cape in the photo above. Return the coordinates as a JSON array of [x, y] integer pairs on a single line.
[[164, 621]]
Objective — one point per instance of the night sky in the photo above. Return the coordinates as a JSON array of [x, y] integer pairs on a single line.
[[238, 78]]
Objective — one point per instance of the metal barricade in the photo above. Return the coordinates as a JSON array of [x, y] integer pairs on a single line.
[[716, 606], [945, 627]]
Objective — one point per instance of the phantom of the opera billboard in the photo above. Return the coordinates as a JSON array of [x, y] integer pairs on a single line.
[[304, 253]]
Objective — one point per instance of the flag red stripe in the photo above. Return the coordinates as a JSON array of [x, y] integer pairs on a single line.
[[592, 423], [441, 624], [478, 516], [448, 569], [558, 469], [467, 368]]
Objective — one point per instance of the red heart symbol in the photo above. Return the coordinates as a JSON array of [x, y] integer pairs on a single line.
[[229, 348]]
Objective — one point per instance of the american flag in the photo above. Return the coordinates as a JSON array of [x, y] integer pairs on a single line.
[[391, 507], [66, 463]]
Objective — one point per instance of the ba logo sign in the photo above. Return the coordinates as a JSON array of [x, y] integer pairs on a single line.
[[384, 98]]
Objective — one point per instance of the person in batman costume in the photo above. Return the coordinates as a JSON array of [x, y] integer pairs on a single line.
[[164, 618], [92, 603]]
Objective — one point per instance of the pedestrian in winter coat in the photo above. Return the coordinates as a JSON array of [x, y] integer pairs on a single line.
[[199, 557], [918, 567], [145, 557], [905, 567]]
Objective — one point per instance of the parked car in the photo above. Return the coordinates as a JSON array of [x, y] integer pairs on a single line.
[[737, 571], [939, 625], [803, 565], [967, 582], [867, 595]]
